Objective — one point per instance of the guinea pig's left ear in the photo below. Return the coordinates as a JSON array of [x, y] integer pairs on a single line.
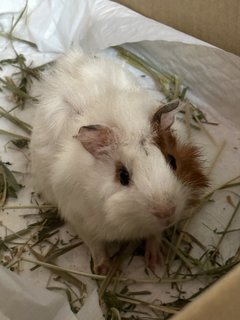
[[96, 139], [164, 117]]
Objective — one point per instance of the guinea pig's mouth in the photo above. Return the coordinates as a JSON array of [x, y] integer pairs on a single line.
[[165, 223]]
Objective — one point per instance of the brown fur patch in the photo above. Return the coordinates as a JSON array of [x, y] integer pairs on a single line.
[[189, 166]]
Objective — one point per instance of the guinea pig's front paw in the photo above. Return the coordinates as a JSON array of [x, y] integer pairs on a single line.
[[101, 261], [153, 252], [102, 267]]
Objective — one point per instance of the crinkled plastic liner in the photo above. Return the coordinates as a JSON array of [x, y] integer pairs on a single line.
[[211, 73], [19, 299]]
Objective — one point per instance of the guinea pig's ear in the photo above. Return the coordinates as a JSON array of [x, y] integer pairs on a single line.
[[96, 139], [164, 117]]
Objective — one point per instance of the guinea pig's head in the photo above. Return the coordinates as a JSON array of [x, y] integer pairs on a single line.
[[144, 183]]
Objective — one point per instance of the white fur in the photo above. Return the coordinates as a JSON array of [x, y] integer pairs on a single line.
[[86, 91]]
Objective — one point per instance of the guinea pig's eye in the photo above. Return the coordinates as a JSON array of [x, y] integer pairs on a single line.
[[172, 162], [123, 175]]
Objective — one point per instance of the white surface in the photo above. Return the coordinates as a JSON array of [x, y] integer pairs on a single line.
[[212, 74], [20, 299]]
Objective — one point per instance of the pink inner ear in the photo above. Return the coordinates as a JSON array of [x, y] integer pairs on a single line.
[[167, 120], [164, 117], [96, 139]]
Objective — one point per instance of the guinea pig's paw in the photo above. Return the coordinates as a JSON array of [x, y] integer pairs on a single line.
[[153, 252], [101, 260], [102, 267]]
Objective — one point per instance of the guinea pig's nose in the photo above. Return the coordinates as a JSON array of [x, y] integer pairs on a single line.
[[165, 213]]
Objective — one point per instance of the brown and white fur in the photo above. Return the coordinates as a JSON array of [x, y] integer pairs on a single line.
[[99, 152]]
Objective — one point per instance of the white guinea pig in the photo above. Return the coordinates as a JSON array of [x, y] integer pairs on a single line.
[[103, 152]]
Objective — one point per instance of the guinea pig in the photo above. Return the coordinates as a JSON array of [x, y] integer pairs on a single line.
[[103, 151]]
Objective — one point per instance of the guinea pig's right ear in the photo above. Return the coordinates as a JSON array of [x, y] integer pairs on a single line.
[[164, 117], [96, 139]]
